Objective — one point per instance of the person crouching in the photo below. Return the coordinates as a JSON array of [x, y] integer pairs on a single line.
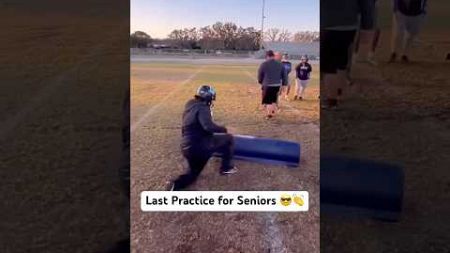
[[201, 138]]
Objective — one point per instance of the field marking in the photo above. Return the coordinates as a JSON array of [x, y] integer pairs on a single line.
[[154, 108], [250, 75], [274, 236]]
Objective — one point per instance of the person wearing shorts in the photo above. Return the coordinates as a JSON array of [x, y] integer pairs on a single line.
[[271, 75], [303, 72], [339, 23], [408, 18]]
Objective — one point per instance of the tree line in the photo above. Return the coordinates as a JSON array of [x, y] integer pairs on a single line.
[[219, 36], [283, 35], [140, 39], [222, 36]]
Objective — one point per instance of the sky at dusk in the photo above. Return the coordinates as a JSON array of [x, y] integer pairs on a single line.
[[159, 17]]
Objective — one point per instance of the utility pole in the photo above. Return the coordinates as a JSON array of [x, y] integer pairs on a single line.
[[262, 24]]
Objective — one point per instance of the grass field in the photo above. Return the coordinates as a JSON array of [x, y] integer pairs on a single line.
[[399, 113], [158, 94], [61, 143]]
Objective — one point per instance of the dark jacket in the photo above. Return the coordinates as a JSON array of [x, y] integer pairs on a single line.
[[338, 13], [272, 73], [287, 66], [303, 71], [198, 127], [412, 8]]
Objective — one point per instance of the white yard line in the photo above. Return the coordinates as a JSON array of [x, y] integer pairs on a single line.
[[273, 234], [250, 75], [155, 108]]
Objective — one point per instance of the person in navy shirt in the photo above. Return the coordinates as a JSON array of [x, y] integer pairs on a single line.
[[287, 65], [303, 74]]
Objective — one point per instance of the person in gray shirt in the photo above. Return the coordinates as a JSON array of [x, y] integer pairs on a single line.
[[271, 75]]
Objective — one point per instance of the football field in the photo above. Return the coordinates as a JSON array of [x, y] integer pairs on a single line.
[[159, 91]]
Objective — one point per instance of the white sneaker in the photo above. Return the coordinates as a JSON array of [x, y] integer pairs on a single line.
[[230, 171]]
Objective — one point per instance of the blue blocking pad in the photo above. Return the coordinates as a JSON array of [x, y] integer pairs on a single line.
[[267, 151], [361, 188]]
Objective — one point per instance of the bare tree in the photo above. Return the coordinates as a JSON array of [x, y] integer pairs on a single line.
[[217, 36], [206, 37], [284, 36], [230, 35], [192, 34], [247, 39], [176, 34], [272, 34], [306, 36]]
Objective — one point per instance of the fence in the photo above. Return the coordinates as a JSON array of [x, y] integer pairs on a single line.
[[191, 52]]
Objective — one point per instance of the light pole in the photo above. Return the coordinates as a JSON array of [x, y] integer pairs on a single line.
[[262, 25]]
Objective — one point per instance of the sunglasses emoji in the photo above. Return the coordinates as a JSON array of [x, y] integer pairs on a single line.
[[285, 199]]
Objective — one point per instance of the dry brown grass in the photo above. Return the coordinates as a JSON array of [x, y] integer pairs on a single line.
[[156, 159], [398, 113], [57, 136]]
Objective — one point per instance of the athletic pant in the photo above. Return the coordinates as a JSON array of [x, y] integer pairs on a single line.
[[300, 87], [405, 26], [198, 156]]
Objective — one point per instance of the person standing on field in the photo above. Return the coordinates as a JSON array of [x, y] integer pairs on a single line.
[[303, 73], [408, 18], [278, 56], [271, 75], [287, 67]]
